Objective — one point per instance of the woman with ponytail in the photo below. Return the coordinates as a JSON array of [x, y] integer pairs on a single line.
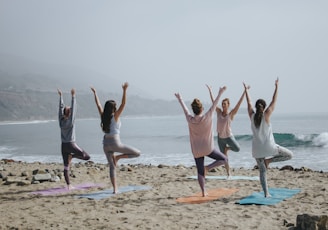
[[264, 148], [111, 124]]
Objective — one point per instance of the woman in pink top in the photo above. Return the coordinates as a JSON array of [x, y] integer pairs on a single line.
[[226, 140], [201, 136]]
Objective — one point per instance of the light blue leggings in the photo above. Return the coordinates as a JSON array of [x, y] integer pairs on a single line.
[[113, 144], [283, 155]]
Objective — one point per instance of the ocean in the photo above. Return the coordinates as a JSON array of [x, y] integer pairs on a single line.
[[165, 140]]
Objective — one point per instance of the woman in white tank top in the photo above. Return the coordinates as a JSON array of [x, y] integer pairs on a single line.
[[264, 148]]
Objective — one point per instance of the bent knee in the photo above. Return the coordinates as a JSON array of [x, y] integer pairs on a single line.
[[236, 149]]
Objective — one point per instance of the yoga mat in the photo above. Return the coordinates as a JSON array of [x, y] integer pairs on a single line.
[[109, 192], [213, 194], [230, 178], [277, 195], [60, 190]]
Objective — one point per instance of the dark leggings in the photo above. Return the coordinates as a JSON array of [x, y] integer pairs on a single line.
[[75, 151], [220, 159]]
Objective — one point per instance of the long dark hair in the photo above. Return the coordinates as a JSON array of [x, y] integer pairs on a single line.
[[109, 110], [260, 107]]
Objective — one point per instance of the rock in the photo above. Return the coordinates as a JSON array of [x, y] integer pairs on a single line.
[[8, 161], [126, 168], [11, 180], [17, 180], [24, 182], [287, 167], [162, 166], [42, 177], [46, 171], [311, 222], [89, 163], [60, 175], [304, 169], [3, 175], [55, 179]]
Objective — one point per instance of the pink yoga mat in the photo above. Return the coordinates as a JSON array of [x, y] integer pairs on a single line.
[[60, 190]]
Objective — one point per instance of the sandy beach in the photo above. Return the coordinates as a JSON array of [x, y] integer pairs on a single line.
[[156, 208]]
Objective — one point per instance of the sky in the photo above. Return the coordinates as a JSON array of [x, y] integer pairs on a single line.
[[168, 46]]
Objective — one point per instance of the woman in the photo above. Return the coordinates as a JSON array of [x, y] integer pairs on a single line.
[[226, 140], [110, 124], [201, 137], [264, 148], [69, 148]]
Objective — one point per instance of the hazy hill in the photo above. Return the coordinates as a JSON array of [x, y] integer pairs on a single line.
[[28, 91]]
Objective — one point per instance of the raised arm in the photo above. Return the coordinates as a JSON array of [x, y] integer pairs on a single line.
[[61, 105], [99, 107], [73, 106], [272, 105], [210, 91], [212, 98], [183, 105], [216, 101], [121, 108], [249, 102], [234, 111]]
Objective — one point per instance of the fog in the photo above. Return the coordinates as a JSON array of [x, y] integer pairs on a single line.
[[163, 47]]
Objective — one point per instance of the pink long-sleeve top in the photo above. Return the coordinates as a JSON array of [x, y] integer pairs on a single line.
[[200, 130]]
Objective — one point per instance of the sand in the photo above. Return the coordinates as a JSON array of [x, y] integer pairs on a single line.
[[156, 208]]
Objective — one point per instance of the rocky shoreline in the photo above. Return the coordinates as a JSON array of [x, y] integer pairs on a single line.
[[155, 208]]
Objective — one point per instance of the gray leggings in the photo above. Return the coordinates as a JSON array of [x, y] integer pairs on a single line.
[[283, 155], [113, 144], [228, 142]]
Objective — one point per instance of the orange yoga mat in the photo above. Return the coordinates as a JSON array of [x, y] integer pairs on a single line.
[[213, 194]]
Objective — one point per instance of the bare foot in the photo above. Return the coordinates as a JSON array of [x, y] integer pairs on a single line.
[[70, 187], [267, 162], [205, 194], [268, 195]]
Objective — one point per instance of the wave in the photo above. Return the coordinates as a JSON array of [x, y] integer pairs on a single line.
[[24, 122], [295, 140]]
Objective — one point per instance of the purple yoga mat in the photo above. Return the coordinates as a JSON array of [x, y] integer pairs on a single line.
[[60, 190]]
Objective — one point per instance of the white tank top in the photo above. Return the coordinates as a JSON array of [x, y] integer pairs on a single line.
[[263, 144], [114, 127]]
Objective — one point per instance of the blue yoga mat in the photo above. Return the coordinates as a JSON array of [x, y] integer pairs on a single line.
[[230, 178], [109, 192], [277, 195]]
